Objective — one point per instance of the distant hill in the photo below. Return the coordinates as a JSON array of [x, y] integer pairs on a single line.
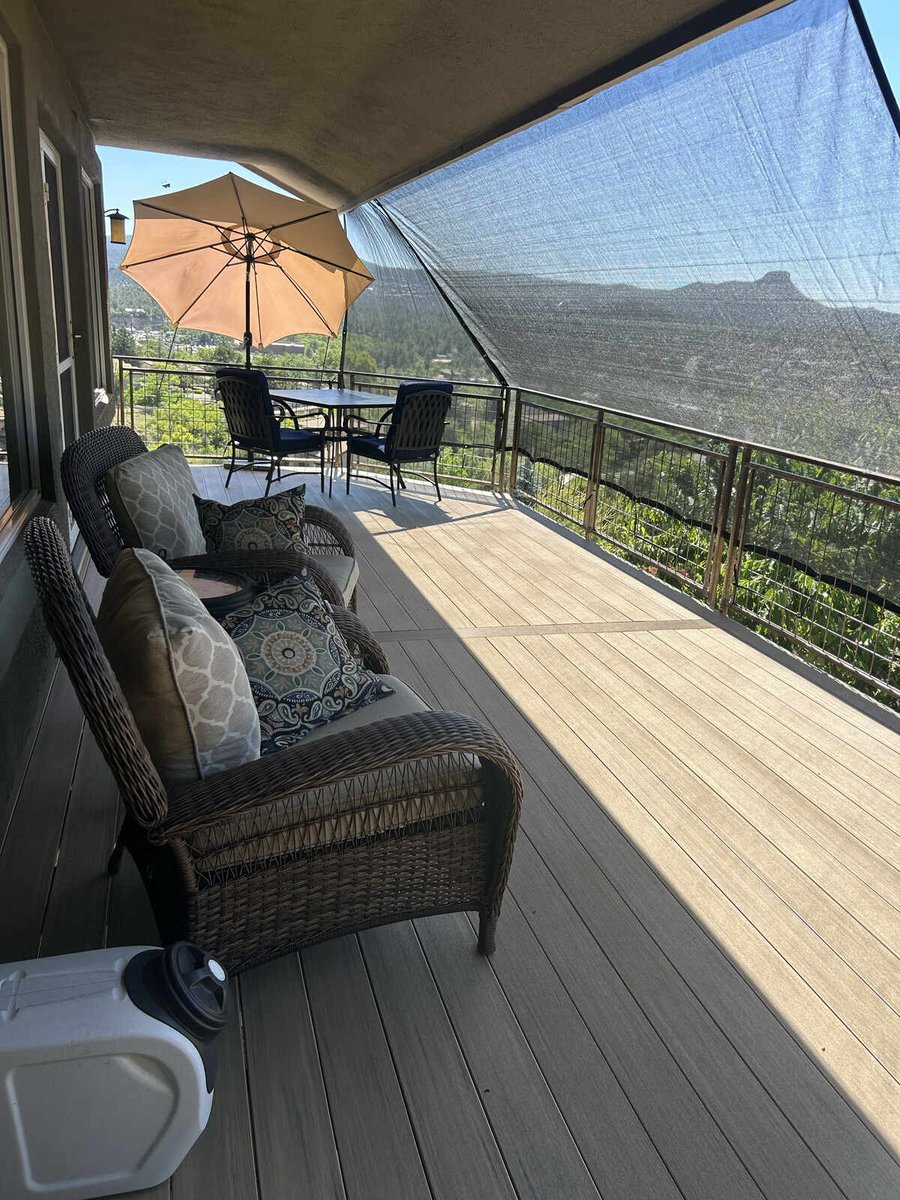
[[757, 360]]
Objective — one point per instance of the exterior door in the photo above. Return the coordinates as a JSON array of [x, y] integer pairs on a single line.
[[56, 244]]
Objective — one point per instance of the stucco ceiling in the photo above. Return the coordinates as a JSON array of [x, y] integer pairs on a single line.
[[341, 98]]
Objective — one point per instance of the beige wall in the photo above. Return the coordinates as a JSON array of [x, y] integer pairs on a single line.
[[42, 101]]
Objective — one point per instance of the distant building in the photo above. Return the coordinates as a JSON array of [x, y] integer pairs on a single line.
[[286, 348]]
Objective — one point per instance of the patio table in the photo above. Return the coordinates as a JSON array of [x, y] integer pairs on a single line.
[[335, 402]]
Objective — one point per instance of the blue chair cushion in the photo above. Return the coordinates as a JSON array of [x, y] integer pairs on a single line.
[[368, 447], [299, 439]]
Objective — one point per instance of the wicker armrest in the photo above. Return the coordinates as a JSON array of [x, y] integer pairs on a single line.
[[262, 563], [361, 640], [326, 533], [354, 753]]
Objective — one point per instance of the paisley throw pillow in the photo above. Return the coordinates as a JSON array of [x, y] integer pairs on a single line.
[[302, 672], [264, 523]]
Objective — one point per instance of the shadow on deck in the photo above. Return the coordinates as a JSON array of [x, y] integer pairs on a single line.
[[695, 987]]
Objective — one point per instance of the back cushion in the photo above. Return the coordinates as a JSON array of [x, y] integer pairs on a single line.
[[152, 499], [263, 523], [182, 674]]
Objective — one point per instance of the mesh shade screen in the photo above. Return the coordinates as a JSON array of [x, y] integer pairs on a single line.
[[713, 242], [401, 325]]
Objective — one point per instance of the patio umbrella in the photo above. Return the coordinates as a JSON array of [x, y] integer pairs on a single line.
[[232, 257]]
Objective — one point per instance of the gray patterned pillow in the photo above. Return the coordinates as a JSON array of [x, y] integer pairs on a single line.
[[266, 523], [152, 498], [301, 670], [181, 673]]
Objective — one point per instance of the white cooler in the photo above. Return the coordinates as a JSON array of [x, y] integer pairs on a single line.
[[107, 1068]]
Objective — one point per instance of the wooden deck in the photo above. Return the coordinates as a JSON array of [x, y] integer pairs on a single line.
[[696, 985]]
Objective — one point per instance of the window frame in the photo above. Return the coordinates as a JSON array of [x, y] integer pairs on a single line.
[[19, 407]]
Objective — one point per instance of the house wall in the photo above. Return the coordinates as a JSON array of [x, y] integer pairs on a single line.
[[42, 100]]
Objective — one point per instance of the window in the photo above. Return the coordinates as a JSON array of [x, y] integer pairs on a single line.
[[91, 241], [15, 473], [56, 242]]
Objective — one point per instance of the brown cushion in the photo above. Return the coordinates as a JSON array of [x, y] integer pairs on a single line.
[[152, 499], [182, 675]]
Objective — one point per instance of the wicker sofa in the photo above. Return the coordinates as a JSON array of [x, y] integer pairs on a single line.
[[380, 821], [84, 465]]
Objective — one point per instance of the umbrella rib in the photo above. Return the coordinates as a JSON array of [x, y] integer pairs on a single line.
[[170, 212], [237, 196], [326, 262], [308, 299], [174, 254], [201, 294], [298, 220]]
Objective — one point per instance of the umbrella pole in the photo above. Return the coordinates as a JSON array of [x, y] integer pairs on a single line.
[[248, 335]]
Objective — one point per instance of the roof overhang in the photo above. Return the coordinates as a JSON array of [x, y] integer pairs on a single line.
[[341, 101]]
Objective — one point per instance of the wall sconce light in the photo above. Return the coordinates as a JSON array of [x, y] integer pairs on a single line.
[[116, 226]]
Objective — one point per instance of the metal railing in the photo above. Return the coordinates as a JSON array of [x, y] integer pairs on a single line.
[[172, 401], [806, 552]]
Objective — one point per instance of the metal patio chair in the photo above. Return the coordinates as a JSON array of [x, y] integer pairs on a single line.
[[256, 423], [411, 431]]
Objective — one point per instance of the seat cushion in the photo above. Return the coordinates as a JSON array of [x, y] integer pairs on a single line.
[[400, 703], [302, 672], [182, 675], [446, 787], [343, 570], [152, 499], [368, 447], [299, 439], [262, 523]]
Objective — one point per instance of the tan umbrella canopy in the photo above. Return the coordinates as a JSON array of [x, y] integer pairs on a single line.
[[232, 257]]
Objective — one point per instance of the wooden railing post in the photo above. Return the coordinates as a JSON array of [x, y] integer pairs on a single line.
[[713, 573], [736, 535], [514, 452], [594, 473]]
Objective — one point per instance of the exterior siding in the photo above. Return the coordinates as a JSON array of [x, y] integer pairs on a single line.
[[43, 100]]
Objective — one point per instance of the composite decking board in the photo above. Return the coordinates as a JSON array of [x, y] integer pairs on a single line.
[[772, 683], [443, 1102], [541, 1155], [29, 849], [379, 1156], [525, 569], [616, 742], [849, 744], [294, 1138], [744, 818], [775, 1138], [76, 913], [865, 1080], [615, 1145], [465, 632], [757, 1027], [881, 798], [130, 920], [784, 682], [805, 793], [222, 1162]]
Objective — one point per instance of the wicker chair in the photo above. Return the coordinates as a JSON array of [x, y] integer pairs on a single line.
[[409, 432], [84, 466], [256, 423], [406, 817]]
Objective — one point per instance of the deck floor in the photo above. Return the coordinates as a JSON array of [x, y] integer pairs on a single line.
[[695, 991]]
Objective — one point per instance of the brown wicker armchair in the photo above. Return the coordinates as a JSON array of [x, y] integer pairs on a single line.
[[407, 817], [83, 468]]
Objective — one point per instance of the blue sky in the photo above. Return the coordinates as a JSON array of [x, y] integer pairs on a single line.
[[132, 174]]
